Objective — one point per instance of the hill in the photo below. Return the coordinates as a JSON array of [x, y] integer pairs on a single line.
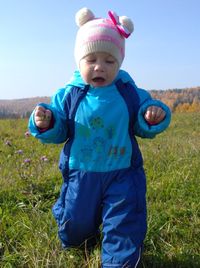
[[179, 100], [20, 108]]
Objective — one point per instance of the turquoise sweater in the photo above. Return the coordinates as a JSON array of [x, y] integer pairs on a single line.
[[101, 142]]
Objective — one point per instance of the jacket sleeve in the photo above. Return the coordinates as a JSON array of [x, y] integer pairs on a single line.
[[141, 127], [58, 133]]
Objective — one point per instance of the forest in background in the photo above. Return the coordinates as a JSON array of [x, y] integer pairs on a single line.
[[20, 108], [179, 100]]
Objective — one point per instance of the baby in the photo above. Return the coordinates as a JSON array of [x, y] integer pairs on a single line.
[[98, 115]]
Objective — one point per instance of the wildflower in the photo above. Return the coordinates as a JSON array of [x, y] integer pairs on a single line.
[[19, 152], [8, 143], [44, 158], [27, 134], [27, 160]]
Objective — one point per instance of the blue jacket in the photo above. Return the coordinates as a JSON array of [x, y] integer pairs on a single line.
[[101, 124]]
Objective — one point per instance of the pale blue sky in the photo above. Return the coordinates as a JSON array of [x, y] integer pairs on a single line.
[[37, 43]]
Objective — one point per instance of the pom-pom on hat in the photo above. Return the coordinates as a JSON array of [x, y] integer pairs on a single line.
[[101, 34]]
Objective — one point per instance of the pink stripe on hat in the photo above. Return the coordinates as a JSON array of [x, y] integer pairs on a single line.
[[103, 35]]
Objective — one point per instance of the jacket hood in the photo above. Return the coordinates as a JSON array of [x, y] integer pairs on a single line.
[[77, 80]]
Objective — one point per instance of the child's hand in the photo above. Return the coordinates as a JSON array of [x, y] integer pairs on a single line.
[[154, 115], [42, 117]]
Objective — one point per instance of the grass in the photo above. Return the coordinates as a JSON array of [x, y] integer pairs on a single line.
[[30, 184]]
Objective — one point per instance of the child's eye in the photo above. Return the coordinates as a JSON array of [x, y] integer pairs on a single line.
[[110, 61], [90, 60]]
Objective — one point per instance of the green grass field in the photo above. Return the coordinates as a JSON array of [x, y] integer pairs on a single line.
[[30, 184]]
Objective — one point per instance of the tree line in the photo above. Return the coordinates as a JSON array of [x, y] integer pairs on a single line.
[[20, 108], [179, 100]]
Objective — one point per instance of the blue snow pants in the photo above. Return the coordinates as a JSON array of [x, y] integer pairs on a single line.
[[114, 199]]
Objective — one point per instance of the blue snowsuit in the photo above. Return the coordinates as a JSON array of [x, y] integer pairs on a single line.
[[101, 164]]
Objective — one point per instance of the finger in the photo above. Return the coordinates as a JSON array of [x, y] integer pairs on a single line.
[[43, 116], [147, 115], [48, 114], [161, 115], [156, 112], [39, 113], [151, 113], [40, 108], [42, 122]]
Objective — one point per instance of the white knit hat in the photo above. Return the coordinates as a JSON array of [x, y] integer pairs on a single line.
[[101, 35]]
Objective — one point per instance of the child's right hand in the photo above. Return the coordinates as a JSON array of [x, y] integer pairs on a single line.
[[42, 117]]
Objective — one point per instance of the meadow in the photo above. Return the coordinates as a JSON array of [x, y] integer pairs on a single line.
[[30, 183]]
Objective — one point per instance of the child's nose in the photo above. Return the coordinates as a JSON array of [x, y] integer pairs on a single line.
[[98, 66]]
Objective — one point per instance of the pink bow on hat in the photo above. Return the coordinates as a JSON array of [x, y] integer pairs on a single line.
[[121, 28]]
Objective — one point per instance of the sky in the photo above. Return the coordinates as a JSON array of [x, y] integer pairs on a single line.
[[37, 43]]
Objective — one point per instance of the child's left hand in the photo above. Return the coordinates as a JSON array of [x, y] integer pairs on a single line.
[[154, 115]]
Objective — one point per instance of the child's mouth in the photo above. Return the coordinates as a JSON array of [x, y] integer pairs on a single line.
[[98, 80]]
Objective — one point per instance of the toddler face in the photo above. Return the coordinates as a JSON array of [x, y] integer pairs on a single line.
[[98, 69]]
